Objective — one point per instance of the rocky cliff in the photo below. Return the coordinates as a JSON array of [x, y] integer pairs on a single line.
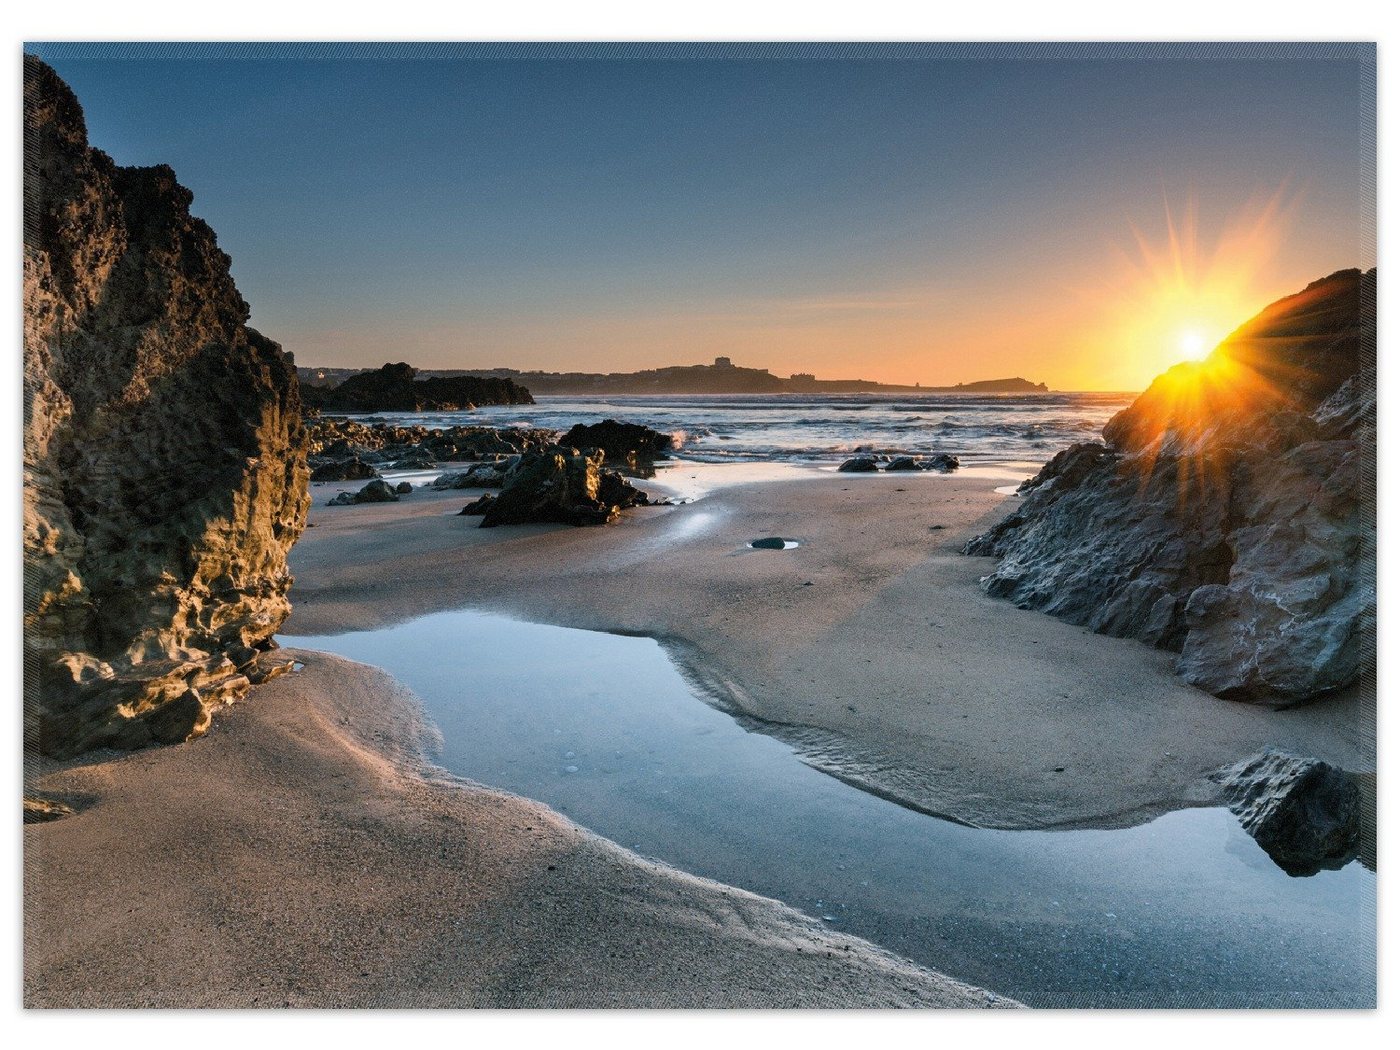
[[164, 453], [1229, 513]]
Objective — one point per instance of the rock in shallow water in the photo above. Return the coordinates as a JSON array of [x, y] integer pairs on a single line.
[[1230, 513], [164, 453], [769, 543], [859, 465], [482, 475], [904, 463], [1305, 813]]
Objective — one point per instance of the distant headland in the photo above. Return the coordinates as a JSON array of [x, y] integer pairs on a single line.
[[722, 377]]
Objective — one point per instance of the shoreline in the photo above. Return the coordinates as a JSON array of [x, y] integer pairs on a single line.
[[367, 877], [892, 670], [468, 888]]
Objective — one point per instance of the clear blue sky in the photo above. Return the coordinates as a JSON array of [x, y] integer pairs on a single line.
[[903, 218]]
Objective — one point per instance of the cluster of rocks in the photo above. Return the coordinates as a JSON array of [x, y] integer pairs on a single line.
[[543, 477], [151, 590], [943, 462], [396, 388], [350, 450], [1229, 513]]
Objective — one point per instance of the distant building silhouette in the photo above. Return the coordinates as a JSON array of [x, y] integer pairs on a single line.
[[723, 362]]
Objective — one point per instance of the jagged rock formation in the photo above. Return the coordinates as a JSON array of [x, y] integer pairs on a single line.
[[335, 442], [393, 388], [490, 475], [164, 454], [561, 485], [1306, 814], [352, 469], [628, 446], [1229, 513]]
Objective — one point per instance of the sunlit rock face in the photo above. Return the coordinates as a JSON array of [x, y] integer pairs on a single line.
[[561, 485], [1229, 514], [164, 454]]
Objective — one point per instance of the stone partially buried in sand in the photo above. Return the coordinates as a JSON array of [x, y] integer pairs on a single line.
[[773, 543], [477, 506]]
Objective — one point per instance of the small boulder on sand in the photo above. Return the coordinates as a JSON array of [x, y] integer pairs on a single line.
[[374, 492]]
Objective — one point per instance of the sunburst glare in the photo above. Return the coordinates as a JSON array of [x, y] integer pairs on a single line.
[[1178, 293]]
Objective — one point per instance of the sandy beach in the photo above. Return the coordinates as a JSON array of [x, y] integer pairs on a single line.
[[891, 669], [369, 877], [708, 525], [362, 877]]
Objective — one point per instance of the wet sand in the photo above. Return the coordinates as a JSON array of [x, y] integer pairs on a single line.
[[302, 854], [870, 647]]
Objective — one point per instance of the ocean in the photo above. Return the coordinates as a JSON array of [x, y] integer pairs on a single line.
[[798, 428]]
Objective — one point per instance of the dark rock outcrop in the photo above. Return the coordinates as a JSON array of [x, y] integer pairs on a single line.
[[859, 465], [942, 462], [562, 485], [394, 388], [374, 492], [1306, 814], [1229, 514], [490, 475], [480, 505], [353, 469], [164, 453], [627, 446]]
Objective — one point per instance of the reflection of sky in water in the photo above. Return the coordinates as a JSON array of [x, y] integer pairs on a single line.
[[1186, 910]]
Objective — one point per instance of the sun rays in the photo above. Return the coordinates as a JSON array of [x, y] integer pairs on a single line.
[[1189, 310], [1177, 291]]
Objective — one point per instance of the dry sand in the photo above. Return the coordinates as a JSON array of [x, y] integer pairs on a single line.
[[302, 854], [892, 669]]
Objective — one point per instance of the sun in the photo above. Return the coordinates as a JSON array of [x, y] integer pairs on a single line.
[[1193, 345], [1174, 296]]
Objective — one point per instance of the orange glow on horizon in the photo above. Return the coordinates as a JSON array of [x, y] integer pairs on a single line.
[[1105, 311], [1177, 298]]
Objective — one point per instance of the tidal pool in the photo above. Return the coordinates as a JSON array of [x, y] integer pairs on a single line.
[[1185, 911]]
